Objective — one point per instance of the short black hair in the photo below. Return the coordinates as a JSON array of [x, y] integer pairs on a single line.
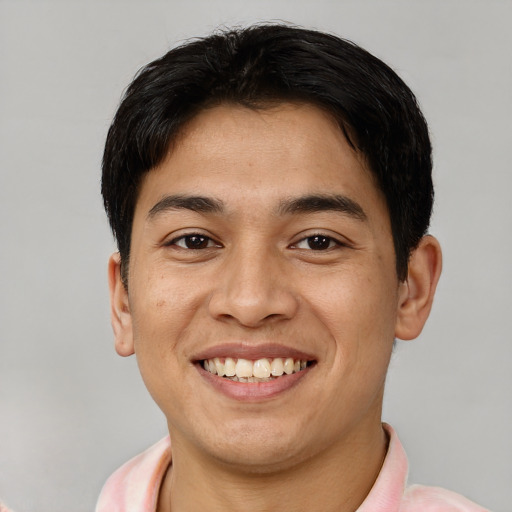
[[263, 65]]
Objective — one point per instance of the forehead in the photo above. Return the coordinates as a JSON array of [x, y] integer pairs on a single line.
[[233, 152], [279, 131]]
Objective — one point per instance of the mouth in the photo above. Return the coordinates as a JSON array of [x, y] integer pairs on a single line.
[[254, 371]]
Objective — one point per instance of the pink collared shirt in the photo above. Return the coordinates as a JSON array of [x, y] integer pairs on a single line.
[[134, 487]]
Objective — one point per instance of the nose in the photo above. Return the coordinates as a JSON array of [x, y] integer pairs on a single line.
[[253, 290]]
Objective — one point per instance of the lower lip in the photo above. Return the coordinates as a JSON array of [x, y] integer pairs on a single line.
[[253, 391]]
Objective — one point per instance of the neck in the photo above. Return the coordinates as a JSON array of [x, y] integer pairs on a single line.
[[338, 479]]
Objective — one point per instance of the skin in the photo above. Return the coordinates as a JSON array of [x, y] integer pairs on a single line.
[[319, 444]]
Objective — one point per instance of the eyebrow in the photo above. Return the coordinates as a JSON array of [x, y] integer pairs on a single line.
[[322, 203], [198, 204], [297, 205]]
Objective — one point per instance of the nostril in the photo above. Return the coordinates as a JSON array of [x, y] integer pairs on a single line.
[[251, 296]]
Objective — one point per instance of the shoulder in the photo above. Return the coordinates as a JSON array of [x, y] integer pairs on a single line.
[[420, 498], [134, 486]]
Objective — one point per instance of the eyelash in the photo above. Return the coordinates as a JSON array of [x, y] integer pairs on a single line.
[[190, 236], [332, 242], [203, 239]]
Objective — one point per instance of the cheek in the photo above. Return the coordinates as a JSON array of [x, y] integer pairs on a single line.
[[161, 310], [358, 309], [355, 298]]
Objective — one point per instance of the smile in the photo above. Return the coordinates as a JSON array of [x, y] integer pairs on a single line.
[[260, 370]]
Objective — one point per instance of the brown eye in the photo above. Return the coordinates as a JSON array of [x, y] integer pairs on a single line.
[[319, 242], [194, 241]]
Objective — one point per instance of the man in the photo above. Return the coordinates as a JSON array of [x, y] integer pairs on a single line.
[[270, 192]]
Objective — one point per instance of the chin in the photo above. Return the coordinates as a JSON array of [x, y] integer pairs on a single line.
[[261, 447]]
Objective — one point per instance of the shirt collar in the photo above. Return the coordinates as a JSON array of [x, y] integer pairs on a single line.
[[135, 486], [388, 490]]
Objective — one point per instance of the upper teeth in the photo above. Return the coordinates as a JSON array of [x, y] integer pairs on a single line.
[[260, 369]]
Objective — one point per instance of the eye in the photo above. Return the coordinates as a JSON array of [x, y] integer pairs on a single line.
[[317, 243], [193, 241]]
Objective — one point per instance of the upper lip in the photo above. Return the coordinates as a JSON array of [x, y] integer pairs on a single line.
[[252, 351]]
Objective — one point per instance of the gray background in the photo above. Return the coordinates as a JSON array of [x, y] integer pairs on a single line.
[[70, 409]]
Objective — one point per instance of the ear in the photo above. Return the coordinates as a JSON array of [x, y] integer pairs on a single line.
[[416, 293], [119, 308]]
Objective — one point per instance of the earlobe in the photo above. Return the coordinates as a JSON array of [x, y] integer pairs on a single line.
[[416, 293], [119, 308]]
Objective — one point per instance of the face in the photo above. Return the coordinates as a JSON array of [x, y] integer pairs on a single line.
[[262, 237]]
